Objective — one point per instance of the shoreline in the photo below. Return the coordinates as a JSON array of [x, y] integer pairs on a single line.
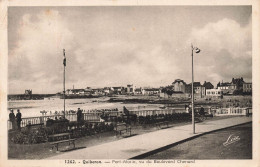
[[30, 108]]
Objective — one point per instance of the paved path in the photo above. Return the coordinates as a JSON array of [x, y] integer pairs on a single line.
[[137, 145]]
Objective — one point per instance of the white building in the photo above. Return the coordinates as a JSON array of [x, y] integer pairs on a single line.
[[150, 91], [214, 93]]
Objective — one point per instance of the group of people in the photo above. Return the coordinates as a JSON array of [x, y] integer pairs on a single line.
[[75, 111], [15, 119], [188, 109]]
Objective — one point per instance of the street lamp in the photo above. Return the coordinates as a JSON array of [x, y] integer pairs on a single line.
[[197, 50]]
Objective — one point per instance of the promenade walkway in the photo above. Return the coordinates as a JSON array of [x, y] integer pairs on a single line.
[[141, 144]]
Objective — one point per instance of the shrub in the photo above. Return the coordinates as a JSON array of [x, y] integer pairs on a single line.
[[30, 136]]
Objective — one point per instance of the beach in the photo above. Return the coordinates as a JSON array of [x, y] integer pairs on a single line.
[[31, 108]]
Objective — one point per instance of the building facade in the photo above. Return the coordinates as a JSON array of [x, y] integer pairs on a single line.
[[119, 90], [130, 89], [226, 87], [138, 91], [233, 87], [199, 90], [179, 86], [247, 87], [150, 91], [28, 92], [208, 85], [214, 93]]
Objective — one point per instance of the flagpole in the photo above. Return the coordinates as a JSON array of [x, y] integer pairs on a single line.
[[64, 64], [192, 92]]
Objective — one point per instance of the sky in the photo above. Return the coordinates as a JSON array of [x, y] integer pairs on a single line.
[[116, 46]]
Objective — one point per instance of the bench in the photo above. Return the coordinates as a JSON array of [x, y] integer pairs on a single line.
[[159, 124], [122, 127], [61, 136], [56, 144]]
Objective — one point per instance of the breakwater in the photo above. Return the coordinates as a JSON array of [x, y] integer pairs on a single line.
[[28, 97]]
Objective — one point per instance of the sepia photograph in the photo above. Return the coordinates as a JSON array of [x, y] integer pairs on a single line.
[[112, 85]]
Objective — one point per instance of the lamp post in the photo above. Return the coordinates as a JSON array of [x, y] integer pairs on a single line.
[[197, 50]]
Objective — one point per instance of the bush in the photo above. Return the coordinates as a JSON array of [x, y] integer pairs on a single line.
[[163, 117], [40, 135], [30, 136]]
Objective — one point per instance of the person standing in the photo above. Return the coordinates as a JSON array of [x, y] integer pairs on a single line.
[[18, 119], [202, 111], [79, 115], [12, 118]]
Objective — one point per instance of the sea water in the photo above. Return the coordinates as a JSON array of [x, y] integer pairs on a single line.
[[31, 108]]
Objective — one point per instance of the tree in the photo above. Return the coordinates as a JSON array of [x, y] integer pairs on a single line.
[[168, 90]]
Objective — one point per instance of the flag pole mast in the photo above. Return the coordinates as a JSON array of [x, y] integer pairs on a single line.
[[64, 64]]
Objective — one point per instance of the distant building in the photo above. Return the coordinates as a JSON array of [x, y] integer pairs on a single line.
[[208, 85], [168, 92], [79, 92], [68, 92], [138, 91], [150, 91], [226, 87], [76, 91], [214, 93], [179, 86], [28, 92], [119, 90], [107, 91], [27, 95], [97, 91], [233, 87], [130, 89], [87, 91], [238, 82], [247, 87], [199, 90]]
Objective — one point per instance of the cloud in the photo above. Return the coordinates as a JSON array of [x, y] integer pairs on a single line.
[[225, 34], [38, 54], [114, 50], [226, 50]]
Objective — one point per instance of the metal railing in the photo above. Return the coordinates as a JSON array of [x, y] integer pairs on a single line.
[[95, 116], [43, 119], [166, 111], [233, 111]]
